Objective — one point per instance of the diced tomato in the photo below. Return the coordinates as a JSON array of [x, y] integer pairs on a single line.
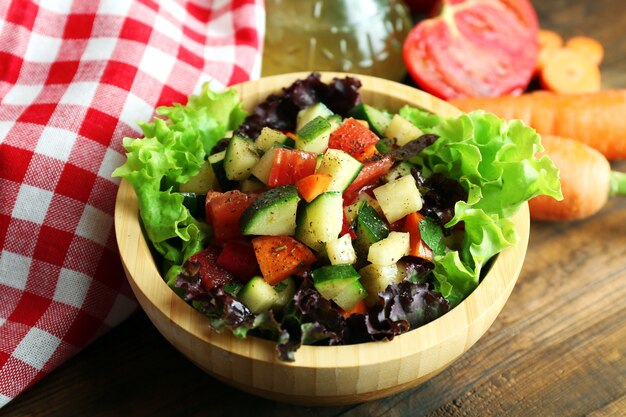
[[290, 165], [204, 264], [281, 256], [346, 228], [313, 185], [418, 247], [238, 258], [223, 211], [354, 138], [370, 172], [359, 308]]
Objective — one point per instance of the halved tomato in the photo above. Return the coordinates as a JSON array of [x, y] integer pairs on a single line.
[[474, 48]]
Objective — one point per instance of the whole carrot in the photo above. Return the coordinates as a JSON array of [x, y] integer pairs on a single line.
[[597, 119], [586, 181]]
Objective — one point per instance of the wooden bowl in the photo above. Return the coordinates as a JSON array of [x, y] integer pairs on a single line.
[[327, 375]]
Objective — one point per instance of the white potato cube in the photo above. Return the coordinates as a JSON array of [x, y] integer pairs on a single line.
[[390, 249], [399, 198], [340, 251]]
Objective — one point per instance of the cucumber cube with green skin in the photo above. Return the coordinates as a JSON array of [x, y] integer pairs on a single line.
[[268, 138], [257, 295], [389, 250], [377, 119], [402, 131], [202, 182], [341, 166], [217, 164], [263, 168], [330, 280], [376, 278], [350, 296], [241, 156], [285, 290], [399, 198], [321, 220], [370, 228], [273, 213], [309, 113], [314, 136]]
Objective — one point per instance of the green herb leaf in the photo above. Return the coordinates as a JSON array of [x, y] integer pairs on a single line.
[[432, 234]]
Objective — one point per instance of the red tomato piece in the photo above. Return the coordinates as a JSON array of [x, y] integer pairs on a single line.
[[238, 258], [370, 172], [223, 211], [474, 48], [204, 264], [354, 138], [291, 165], [418, 247]]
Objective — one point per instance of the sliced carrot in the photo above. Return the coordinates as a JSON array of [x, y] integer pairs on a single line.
[[569, 72], [549, 41], [280, 257], [418, 247], [596, 119], [313, 185], [359, 308], [367, 154], [589, 47]]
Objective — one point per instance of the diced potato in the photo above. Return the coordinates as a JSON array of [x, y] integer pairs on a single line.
[[402, 131], [399, 198], [390, 249], [340, 251], [376, 278], [202, 182]]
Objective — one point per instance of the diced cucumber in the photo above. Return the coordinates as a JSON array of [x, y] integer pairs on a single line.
[[335, 121], [352, 210], [251, 185], [263, 168], [370, 228], [399, 170], [285, 290], [340, 251], [241, 155], [389, 250], [195, 203], [341, 166], [273, 213], [330, 280], [350, 295], [402, 131], [257, 295], [321, 220], [399, 198], [309, 113], [268, 138], [202, 182], [313, 136], [217, 164], [377, 119], [376, 278]]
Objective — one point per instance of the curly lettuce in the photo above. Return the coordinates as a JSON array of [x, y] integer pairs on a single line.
[[171, 152], [495, 161]]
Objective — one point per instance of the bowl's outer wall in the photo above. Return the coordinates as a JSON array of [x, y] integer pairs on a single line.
[[320, 375]]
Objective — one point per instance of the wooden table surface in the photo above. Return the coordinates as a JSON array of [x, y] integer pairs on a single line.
[[557, 349]]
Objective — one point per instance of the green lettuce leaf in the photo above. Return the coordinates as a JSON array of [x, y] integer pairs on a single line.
[[496, 162], [172, 150]]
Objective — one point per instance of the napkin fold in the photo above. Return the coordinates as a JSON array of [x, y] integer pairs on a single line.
[[75, 77]]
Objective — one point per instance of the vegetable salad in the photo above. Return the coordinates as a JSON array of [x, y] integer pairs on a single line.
[[320, 219]]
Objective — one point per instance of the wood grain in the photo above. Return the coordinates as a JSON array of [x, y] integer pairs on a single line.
[[558, 348]]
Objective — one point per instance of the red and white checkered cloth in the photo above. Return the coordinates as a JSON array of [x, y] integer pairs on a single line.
[[75, 76]]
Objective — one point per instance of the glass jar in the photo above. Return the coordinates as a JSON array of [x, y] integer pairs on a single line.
[[359, 36]]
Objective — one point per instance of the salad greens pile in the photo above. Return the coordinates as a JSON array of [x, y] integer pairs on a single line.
[[493, 161]]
